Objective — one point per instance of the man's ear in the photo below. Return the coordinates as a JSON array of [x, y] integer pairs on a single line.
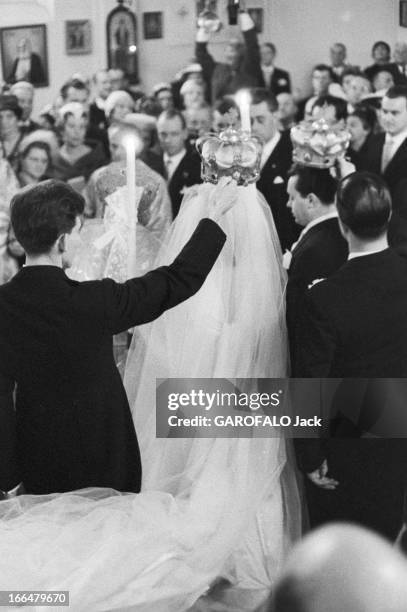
[[61, 244], [344, 229], [311, 201]]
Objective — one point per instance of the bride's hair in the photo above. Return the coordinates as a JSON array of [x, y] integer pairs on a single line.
[[40, 214]]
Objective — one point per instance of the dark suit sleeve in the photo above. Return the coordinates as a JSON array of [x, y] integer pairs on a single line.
[[9, 472], [252, 54], [141, 300], [315, 339], [206, 60]]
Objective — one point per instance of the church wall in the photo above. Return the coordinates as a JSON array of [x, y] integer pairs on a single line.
[[302, 30]]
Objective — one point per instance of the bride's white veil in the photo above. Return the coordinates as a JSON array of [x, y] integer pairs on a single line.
[[233, 328]]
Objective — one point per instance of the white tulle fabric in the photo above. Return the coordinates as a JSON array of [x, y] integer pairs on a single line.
[[209, 508], [106, 243], [234, 328]]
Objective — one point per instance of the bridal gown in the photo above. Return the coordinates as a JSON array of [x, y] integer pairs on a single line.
[[210, 509]]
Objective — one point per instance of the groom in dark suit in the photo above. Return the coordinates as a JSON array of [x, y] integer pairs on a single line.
[[353, 326], [321, 248], [72, 427]]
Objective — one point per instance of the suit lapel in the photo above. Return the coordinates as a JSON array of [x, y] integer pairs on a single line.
[[399, 156]]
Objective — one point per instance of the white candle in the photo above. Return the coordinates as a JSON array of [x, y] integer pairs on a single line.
[[131, 143], [243, 101]]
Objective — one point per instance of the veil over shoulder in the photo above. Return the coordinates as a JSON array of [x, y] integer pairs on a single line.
[[233, 328]]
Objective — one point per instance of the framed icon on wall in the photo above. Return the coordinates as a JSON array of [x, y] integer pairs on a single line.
[[78, 37], [153, 25], [24, 54], [121, 31]]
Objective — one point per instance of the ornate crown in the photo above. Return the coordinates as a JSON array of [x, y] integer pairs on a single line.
[[319, 144], [231, 153]]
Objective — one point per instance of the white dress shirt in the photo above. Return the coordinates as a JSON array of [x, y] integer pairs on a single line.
[[171, 162], [268, 148], [267, 74], [363, 253]]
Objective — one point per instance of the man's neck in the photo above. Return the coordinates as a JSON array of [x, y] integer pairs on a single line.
[[44, 260], [183, 150], [323, 210], [356, 245]]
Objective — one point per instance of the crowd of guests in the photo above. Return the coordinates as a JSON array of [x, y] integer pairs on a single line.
[[351, 325]]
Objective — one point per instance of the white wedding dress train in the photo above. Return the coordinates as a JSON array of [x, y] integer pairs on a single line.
[[210, 507], [233, 328]]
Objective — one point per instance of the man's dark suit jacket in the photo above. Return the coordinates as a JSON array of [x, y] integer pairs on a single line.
[[353, 326], [73, 424], [273, 185], [222, 79], [187, 173], [319, 253], [396, 178], [280, 82], [97, 117]]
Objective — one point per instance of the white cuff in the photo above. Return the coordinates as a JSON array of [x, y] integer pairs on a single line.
[[12, 492], [246, 22], [202, 36]]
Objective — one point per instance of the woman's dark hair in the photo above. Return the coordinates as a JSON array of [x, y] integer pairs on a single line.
[[364, 204], [340, 106], [36, 144], [367, 116], [318, 181], [41, 214]]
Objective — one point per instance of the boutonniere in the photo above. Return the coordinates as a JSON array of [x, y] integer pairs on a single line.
[[287, 257], [282, 82], [278, 180], [315, 282], [185, 175]]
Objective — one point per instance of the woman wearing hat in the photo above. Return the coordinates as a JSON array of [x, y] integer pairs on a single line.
[[10, 133], [78, 157]]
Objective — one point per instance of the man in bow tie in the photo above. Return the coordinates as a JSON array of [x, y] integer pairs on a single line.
[[320, 249]]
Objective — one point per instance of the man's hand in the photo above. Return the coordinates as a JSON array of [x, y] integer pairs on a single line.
[[343, 168], [223, 198], [320, 479]]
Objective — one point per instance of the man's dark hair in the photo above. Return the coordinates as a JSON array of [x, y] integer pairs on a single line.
[[76, 84], [397, 91], [340, 105], [366, 114], [315, 180], [40, 214], [324, 68], [271, 46], [381, 43], [351, 71], [260, 94], [364, 204], [225, 105], [171, 114]]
